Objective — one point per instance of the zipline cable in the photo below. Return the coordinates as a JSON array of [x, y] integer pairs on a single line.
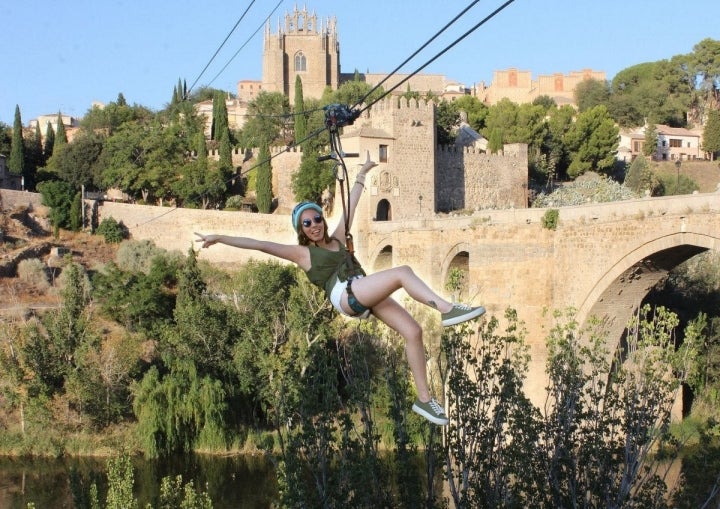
[[394, 71], [218, 50], [245, 43], [447, 48]]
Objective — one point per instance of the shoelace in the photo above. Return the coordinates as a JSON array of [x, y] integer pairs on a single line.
[[463, 307], [436, 407]]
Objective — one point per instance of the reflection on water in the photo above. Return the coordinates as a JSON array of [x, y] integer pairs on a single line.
[[231, 482]]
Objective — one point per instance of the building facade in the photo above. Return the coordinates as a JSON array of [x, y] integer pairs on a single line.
[[519, 87], [301, 48]]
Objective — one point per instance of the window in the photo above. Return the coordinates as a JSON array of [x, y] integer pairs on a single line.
[[383, 153], [674, 142], [300, 62]]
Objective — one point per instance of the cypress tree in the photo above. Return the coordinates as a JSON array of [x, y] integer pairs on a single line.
[[35, 158], [711, 134], [49, 141], [60, 135], [651, 140], [202, 158], [220, 116], [226, 163], [263, 185], [16, 163], [300, 120]]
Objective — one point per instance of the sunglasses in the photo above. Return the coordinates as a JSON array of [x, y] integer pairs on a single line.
[[317, 220]]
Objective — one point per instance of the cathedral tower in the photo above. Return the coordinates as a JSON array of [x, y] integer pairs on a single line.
[[301, 48]]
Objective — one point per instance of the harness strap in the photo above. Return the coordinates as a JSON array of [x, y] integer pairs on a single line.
[[355, 304]]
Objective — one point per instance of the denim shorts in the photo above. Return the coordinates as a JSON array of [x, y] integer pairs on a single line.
[[336, 295]]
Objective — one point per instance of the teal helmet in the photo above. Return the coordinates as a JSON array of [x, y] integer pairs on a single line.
[[300, 208]]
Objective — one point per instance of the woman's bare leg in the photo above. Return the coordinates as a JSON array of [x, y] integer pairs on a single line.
[[377, 287], [398, 319]]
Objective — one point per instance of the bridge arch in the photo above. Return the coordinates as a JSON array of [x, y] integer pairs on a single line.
[[621, 289], [457, 257]]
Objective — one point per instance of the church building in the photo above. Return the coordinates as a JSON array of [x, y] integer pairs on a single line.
[[302, 48]]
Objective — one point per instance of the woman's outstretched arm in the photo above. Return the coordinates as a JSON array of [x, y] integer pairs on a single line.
[[294, 253], [355, 194]]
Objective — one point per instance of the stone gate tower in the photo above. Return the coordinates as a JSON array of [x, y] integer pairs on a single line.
[[301, 48]]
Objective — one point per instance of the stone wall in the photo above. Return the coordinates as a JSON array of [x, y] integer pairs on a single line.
[[10, 200], [474, 180]]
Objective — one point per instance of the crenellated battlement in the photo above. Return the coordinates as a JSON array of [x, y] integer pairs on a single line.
[[513, 150], [395, 103]]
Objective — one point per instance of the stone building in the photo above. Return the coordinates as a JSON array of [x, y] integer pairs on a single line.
[[519, 87], [301, 48], [415, 178]]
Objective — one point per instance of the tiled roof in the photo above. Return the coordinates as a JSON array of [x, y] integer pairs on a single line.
[[675, 131]]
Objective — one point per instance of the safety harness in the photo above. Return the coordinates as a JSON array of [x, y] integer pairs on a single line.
[[336, 116]]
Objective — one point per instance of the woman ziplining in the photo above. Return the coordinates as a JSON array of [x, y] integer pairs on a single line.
[[353, 293]]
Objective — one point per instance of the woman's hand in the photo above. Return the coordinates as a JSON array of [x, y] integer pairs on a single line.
[[367, 165], [207, 240]]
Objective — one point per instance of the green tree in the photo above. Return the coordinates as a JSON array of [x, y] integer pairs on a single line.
[[476, 111], [77, 162], [225, 163], [16, 162], [267, 114], [120, 483], [711, 134], [656, 92], [592, 142], [554, 161], [705, 64], [355, 93], [264, 181], [75, 222], [5, 138], [641, 178], [185, 405], [300, 118], [57, 195], [49, 141], [503, 118], [651, 141], [220, 116], [447, 119], [35, 158], [590, 93], [60, 134], [201, 183]]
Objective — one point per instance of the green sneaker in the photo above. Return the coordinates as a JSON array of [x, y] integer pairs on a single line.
[[461, 313], [432, 411]]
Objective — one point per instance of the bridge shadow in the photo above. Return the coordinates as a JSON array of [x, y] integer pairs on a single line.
[[626, 286]]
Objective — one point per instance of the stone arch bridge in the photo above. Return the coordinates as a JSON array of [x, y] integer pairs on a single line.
[[602, 259]]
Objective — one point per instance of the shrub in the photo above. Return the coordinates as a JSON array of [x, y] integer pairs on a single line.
[[234, 202], [113, 231], [137, 255], [550, 219], [33, 271]]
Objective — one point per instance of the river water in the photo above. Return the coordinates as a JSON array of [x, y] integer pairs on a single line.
[[232, 482]]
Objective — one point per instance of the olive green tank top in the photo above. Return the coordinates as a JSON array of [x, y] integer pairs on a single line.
[[327, 266]]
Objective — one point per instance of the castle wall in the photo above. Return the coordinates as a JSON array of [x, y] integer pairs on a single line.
[[474, 180], [519, 87]]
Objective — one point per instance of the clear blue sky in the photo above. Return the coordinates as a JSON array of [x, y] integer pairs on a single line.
[[65, 55]]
